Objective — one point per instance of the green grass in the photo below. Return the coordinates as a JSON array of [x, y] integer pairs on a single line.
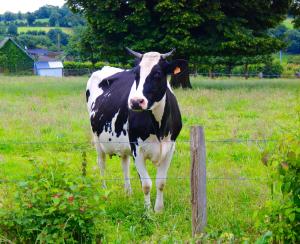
[[45, 20], [21, 29], [35, 109]]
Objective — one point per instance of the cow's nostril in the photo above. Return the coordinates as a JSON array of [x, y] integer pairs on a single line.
[[141, 101]]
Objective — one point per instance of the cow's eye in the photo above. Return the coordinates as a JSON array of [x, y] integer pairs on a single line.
[[157, 75]]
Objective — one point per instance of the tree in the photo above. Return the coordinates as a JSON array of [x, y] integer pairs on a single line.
[[30, 18], [83, 45], [293, 40], [58, 36], [33, 41], [12, 30], [44, 12], [54, 18], [9, 16], [196, 28]]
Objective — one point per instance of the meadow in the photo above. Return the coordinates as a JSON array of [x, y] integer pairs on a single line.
[[45, 119], [24, 29]]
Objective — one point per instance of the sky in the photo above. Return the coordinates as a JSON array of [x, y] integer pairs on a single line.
[[26, 5]]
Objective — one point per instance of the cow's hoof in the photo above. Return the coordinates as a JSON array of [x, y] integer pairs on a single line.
[[147, 206], [159, 208], [128, 191], [104, 185]]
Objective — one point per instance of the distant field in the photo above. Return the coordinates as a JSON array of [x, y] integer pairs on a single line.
[[46, 29], [45, 20], [35, 110]]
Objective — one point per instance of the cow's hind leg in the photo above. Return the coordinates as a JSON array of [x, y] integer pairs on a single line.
[[145, 179], [100, 159], [125, 166], [161, 177]]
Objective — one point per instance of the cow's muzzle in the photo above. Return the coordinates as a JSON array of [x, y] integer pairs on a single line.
[[137, 104]]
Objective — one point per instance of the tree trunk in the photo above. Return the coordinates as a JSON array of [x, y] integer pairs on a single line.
[[181, 79], [229, 69], [246, 72]]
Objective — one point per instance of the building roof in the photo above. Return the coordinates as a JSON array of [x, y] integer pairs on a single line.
[[49, 65], [6, 39], [37, 51]]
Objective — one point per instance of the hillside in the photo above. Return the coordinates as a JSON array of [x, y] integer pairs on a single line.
[[48, 27]]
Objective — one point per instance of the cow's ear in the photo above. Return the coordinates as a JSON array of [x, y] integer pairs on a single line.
[[177, 66]]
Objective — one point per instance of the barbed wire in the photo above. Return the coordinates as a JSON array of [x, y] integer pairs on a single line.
[[230, 140], [257, 179]]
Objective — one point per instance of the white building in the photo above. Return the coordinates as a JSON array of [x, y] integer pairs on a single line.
[[49, 68]]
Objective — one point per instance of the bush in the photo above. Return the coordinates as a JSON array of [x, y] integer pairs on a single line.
[[281, 215], [291, 69], [293, 59], [253, 69], [53, 206], [77, 65], [272, 69], [89, 65]]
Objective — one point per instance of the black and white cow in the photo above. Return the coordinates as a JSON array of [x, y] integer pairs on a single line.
[[134, 112]]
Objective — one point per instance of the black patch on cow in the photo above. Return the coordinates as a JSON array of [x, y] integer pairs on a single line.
[[87, 94], [155, 85], [137, 71], [142, 124], [171, 120], [116, 89]]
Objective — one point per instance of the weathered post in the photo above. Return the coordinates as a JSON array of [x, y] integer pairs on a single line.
[[198, 179]]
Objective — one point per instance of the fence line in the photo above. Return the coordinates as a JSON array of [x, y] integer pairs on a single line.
[[263, 180], [230, 140]]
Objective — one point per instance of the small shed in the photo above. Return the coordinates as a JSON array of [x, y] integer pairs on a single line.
[[49, 68]]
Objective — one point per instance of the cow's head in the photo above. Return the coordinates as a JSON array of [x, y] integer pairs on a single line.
[[150, 83]]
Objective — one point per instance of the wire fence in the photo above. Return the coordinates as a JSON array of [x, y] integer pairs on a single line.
[[87, 146], [228, 187]]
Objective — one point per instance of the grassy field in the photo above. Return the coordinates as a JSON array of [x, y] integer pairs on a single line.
[[35, 110], [25, 29]]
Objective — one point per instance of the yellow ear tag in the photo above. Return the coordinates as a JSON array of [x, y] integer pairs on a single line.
[[177, 70]]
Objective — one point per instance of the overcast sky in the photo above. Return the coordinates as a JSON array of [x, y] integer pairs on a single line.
[[26, 5]]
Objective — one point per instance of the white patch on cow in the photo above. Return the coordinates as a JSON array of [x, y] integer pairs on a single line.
[[93, 85], [111, 144], [155, 150], [148, 61], [158, 109], [160, 153], [169, 86]]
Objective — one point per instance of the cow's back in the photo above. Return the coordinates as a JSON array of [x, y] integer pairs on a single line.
[[107, 94]]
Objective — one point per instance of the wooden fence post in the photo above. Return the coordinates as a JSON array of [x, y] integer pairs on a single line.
[[198, 179]]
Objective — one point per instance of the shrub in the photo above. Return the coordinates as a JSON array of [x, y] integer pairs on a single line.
[[293, 59], [89, 65], [77, 65], [272, 69], [53, 206], [281, 215], [291, 69]]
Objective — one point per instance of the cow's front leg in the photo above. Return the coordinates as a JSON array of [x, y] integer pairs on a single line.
[[125, 166], [145, 178], [161, 177]]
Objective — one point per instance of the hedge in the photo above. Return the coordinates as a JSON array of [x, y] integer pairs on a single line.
[[89, 65]]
